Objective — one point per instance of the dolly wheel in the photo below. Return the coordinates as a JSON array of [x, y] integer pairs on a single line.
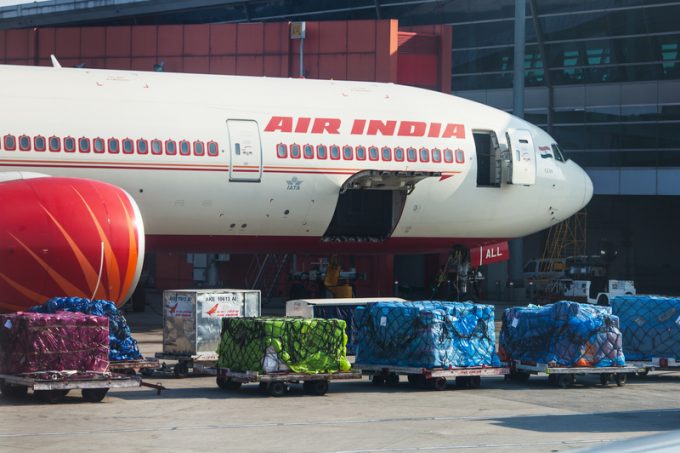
[[519, 376], [318, 387], [378, 379], [392, 379], [438, 383], [13, 391], [227, 384], [50, 396], [605, 379], [475, 382], [565, 380], [181, 370], [277, 388], [462, 382], [94, 395], [620, 379]]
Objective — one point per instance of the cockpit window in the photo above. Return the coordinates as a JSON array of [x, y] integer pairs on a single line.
[[559, 155]]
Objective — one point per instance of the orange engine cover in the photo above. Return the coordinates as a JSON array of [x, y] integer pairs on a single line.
[[67, 237]]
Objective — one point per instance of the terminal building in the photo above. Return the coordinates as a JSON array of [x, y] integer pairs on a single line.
[[602, 77]]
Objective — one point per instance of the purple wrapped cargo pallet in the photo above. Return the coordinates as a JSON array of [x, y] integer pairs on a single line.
[[31, 342]]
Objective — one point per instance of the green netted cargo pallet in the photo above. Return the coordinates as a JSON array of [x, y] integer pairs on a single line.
[[273, 345]]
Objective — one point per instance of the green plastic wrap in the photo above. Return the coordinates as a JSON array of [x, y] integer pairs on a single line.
[[272, 345]]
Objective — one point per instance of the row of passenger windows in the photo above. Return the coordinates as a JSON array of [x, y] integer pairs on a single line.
[[112, 145], [374, 153]]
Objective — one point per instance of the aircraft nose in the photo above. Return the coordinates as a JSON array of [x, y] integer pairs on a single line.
[[588, 192]]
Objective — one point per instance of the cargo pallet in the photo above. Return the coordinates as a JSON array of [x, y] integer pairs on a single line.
[[203, 363], [276, 383], [656, 364], [52, 386], [434, 378], [565, 377]]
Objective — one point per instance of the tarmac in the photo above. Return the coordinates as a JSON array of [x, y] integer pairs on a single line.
[[193, 414]]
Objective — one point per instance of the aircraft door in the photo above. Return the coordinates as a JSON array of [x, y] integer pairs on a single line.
[[523, 160], [245, 151]]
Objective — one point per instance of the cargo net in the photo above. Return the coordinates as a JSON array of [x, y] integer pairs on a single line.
[[121, 344], [650, 326], [273, 345], [37, 342], [426, 334], [344, 312], [562, 334]]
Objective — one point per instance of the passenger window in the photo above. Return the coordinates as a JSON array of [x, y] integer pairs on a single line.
[[84, 144], [156, 147], [424, 155], [128, 146], [114, 146], [70, 144], [184, 148], [321, 152], [448, 156], [39, 143], [10, 142], [199, 148], [170, 147], [373, 153], [308, 151], [281, 151], [361, 153], [24, 143], [347, 153], [460, 156], [295, 151], [55, 144], [386, 153], [98, 145], [399, 154], [411, 155], [213, 149], [335, 152], [436, 155], [142, 146]]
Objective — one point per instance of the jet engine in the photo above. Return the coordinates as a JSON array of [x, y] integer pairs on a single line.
[[66, 237]]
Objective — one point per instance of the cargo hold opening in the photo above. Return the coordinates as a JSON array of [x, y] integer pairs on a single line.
[[370, 205]]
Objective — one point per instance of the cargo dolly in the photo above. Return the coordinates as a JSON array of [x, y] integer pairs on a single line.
[[201, 363], [656, 363], [434, 378], [565, 377], [276, 384], [133, 367], [53, 386]]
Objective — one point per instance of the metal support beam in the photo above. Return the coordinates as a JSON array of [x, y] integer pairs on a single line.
[[378, 13], [544, 60]]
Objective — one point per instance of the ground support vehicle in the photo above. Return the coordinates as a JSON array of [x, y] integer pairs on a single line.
[[435, 378], [201, 363], [565, 377], [656, 364], [53, 386], [276, 384]]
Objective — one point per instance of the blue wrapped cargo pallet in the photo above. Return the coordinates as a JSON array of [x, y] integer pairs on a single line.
[[565, 334], [426, 334], [650, 326]]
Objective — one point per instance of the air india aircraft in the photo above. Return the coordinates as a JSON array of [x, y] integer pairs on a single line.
[[96, 165]]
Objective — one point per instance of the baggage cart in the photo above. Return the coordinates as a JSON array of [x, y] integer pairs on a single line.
[[655, 364], [434, 378], [276, 384], [53, 386], [565, 377]]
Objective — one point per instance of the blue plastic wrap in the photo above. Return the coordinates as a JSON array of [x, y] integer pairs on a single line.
[[121, 344], [650, 326], [564, 333], [426, 334]]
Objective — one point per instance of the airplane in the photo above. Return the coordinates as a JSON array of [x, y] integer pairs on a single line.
[[98, 165]]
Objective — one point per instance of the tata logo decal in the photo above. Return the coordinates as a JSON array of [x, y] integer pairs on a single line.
[[294, 183], [387, 128]]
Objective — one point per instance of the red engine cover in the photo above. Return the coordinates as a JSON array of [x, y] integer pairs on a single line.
[[67, 237]]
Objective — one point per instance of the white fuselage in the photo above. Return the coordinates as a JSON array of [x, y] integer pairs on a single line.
[[202, 195]]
